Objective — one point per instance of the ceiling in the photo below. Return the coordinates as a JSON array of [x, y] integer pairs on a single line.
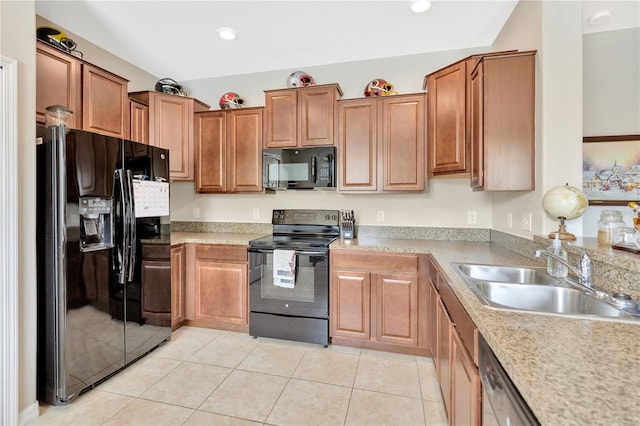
[[179, 39]]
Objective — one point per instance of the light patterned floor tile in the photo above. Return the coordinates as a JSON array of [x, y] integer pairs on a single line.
[[143, 412], [332, 367], [394, 376], [205, 418], [246, 395], [309, 403], [140, 376], [434, 413], [183, 344], [187, 385], [428, 382], [273, 358], [92, 408], [225, 351], [373, 408]]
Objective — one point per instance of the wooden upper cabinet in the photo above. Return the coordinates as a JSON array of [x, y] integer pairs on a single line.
[[300, 117], [447, 120], [171, 126], [502, 137], [229, 151], [357, 166], [104, 102], [58, 82], [403, 160], [138, 121], [381, 144]]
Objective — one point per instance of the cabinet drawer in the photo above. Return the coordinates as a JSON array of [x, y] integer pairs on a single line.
[[156, 251], [221, 252], [375, 262], [463, 323]]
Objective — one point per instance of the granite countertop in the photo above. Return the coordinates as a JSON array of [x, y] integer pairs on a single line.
[[229, 238], [570, 371]]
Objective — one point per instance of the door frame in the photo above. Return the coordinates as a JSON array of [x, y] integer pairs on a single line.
[[9, 240]]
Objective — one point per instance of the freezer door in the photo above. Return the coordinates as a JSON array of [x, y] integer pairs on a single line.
[[80, 341]]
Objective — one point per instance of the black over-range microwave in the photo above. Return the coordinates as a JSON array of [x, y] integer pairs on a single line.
[[299, 168]]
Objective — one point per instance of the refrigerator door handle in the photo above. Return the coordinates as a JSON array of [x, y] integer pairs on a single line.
[[122, 252], [131, 211]]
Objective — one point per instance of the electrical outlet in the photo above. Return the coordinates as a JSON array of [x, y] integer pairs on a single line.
[[256, 213], [380, 215], [472, 217], [510, 220], [196, 213], [526, 222]]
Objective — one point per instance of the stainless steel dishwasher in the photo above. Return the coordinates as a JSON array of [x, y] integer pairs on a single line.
[[502, 404]]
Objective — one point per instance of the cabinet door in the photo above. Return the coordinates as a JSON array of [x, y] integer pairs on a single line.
[[466, 393], [281, 119], [476, 128], [397, 308], [104, 102], [316, 112], [178, 266], [221, 292], [350, 294], [156, 289], [211, 155], [432, 332], [446, 120], [138, 122], [58, 82], [403, 143], [172, 129], [244, 163], [357, 166], [443, 365]]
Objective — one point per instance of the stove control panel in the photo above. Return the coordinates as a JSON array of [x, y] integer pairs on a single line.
[[305, 217]]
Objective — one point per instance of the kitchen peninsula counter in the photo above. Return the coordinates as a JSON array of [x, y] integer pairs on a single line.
[[570, 371]]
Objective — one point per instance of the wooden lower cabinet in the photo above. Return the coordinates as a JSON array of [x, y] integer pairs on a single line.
[[466, 394], [178, 266], [374, 301], [156, 284], [217, 287], [454, 348]]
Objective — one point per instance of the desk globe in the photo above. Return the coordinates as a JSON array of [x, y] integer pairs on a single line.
[[564, 202]]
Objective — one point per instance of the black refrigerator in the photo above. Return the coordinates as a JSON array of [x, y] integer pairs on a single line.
[[100, 201]]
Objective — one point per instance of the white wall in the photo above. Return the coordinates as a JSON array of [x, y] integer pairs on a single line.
[[17, 23]]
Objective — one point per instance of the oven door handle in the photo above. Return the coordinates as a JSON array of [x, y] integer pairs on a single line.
[[303, 252]]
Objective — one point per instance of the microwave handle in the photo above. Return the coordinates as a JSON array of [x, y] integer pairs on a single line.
[[313, 169]]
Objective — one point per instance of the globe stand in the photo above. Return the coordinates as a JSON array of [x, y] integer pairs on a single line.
[[562, 232]]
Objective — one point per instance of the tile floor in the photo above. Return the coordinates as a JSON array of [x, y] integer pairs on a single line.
[[213, 377]]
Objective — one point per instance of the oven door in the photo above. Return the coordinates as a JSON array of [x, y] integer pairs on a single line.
[[309, 296]]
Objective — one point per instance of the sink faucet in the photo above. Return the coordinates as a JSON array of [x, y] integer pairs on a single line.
[[584, 271]]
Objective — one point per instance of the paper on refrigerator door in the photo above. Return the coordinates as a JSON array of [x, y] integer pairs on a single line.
[[151, 198], [284, 268]]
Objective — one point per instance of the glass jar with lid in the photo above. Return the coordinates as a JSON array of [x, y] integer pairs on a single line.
[[609, 220]]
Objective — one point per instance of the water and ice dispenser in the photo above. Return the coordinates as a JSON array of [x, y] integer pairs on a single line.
[[96, 223]]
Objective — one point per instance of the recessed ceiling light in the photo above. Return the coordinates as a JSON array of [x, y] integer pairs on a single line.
[[599, 17], [226, 33], [419, 6]]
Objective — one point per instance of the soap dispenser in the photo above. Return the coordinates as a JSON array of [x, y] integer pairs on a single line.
[[555, 268]]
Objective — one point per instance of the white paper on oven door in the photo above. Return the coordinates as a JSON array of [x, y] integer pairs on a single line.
[[151, 198], [284, 268]]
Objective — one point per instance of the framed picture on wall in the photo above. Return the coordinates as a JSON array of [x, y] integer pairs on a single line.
[[611, 169]]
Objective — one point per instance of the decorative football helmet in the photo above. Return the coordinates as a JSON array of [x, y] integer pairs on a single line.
[[58, 39], [231, 100], [300, 79], [379, 87], [169, 85]]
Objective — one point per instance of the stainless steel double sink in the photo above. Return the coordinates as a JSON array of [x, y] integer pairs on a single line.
[[532, 289]]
